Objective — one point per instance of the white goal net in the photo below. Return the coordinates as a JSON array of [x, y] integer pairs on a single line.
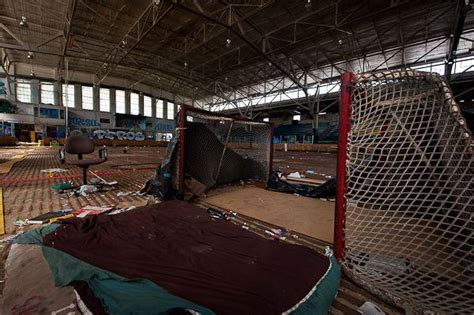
[[409, 192]]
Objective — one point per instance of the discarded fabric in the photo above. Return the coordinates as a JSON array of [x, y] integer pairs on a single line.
[[63, 186], [326, 190], [86, 189]]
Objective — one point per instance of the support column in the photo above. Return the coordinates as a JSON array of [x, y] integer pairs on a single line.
[[113, 101], [77, 96], [127, 102], [35, 91], [153, 107], [57, 93], [96, 98], [141, 106], [165, 110]]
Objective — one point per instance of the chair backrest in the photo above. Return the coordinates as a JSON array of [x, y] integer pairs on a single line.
[[79, 144]]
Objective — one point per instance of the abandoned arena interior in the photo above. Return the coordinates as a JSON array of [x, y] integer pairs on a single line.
[[236, 157]]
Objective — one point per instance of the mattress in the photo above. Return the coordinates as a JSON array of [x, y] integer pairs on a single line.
[[173, 257]]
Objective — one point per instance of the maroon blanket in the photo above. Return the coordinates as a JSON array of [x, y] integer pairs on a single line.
[[215, 264]]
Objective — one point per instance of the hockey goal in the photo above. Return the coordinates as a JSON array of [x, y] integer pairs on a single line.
[[214, 149], [405, 185]]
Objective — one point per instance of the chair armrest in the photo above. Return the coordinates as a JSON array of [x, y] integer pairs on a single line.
[[62, 155], [103, 154]]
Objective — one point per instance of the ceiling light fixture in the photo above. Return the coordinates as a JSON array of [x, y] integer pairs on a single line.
[[308, 5], [23, 22], [228, 41], [30, 55]]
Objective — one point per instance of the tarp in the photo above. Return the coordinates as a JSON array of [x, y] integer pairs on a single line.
[[326, 190], [116, 294]]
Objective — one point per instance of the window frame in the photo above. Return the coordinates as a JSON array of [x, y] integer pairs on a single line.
[[132, 105], [101, 100], [83, 87]]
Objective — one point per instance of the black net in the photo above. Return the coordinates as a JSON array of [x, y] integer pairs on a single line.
[[221, 150]]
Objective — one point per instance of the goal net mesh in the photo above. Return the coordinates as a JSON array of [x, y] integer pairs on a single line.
[[409, 186], [220, 150]]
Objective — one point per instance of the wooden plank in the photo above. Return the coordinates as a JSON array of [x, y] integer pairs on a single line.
[[309, 181]]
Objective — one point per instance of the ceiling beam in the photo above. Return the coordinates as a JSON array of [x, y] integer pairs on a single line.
[[243, 38], [463, 7], [147, 21], [6, 29]]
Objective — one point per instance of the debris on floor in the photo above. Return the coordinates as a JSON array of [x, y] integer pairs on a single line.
[[54, 170], [20, 223], [121, 210], [279, 234], [369, 308], [86, 189], [10, 238], [91, 210], [47, 217], [63, 186], [295, 175], [123, 193], [326, 189]]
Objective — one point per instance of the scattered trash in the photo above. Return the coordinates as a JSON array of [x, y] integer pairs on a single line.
[[54, 170], [121, 210], [46, 218], [295, 175], [377, 263], [325, 190], [123, 193], [64, 211], [63, 186], [103, 181], [310, 172], [10, 238], [20, 223], [369, 308], [66, 216], [279, 234], [91, 210], [125, 149], [86, 189]]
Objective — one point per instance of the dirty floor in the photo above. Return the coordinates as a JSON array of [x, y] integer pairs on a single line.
[[27, 192]]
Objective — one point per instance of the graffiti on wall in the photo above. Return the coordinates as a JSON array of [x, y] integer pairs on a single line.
[[162, 127], [130, 121], [82, 122], [120, 135]]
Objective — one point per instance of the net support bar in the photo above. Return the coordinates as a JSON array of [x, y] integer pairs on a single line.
[[344, 127], [181, 146]]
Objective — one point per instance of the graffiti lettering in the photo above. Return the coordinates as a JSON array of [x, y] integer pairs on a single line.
[[120, 135], [77, 121]]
